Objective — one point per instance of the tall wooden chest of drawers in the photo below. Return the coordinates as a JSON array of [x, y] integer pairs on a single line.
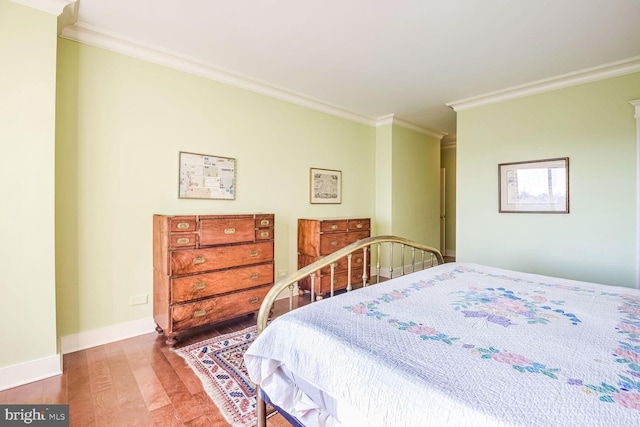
[[209, 268], [320, 237]]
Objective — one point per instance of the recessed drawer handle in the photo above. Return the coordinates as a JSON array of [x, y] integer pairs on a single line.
[[254, 254], [229, 230], [254, 276], [183, 240], [183, 225], [359, 225], [265, 222], [264, 234], [199, 313], [334, 227], [254, 300], [334, 243], [199, 260], [199, 286]]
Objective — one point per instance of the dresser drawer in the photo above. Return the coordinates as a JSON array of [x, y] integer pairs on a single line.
[[359, 224], [216, 309], [264, 234], [322, 284], [182, 223], [220, 231], [333, 225], [329, 243], [183, 240], [357, 260], [192, 261], [264, 221], [220, 282]]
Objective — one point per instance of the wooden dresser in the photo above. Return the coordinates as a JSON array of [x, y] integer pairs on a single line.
[[320, 237], [209, 268]]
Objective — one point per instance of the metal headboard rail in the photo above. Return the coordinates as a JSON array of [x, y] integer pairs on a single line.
[[331, 260], [364, 244]]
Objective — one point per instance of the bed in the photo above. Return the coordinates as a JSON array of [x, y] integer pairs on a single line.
[[455, 344]]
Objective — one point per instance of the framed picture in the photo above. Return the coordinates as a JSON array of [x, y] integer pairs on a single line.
[[538, 186], [206, 177], [325, 186]]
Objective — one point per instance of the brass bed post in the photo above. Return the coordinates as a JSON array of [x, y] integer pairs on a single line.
[[365, 276], [333, 274], [349, 288], [378, 245], [391, 260]]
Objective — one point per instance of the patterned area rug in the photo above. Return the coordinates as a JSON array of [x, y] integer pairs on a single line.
[[219, 364]]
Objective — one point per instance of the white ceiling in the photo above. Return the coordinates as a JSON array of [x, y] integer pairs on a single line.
[[379, 57]]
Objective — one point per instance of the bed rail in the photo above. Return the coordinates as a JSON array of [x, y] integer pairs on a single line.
[[366, 245], [370, 246]]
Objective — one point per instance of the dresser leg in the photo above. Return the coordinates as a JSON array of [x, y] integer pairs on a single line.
[[171, 341]]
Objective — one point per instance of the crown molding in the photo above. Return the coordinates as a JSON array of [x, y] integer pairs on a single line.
[[448, 144], [390, 119], [104, 39], [65, 10], [636, 104], [613, 69]]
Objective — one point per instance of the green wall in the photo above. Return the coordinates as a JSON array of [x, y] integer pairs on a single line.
[[415, 190], [593, 124], [27, 138], [121, 124]]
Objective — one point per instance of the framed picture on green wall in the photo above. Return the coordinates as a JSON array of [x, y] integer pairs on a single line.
[[537, 186], [325, 186], [202, 176]]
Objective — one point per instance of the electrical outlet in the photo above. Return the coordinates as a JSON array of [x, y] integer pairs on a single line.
[[282, 273], [138, 299]]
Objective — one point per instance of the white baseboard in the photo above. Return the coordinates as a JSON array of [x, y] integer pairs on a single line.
[[28, 372], [84, 340]]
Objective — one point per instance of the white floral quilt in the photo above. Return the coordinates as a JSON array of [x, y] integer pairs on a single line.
[[460, 344]]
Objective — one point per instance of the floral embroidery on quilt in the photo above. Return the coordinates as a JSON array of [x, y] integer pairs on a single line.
[[423, 331], [518, 362], [500, 305]]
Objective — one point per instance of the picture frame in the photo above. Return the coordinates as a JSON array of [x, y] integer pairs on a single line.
[[325, 186], [537, 186], [202, 176]]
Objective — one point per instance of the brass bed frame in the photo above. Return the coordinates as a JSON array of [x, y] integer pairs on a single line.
[[371, 246]]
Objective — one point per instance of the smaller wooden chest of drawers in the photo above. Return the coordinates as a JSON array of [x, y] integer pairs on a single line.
[[209, 268], [318, 238]]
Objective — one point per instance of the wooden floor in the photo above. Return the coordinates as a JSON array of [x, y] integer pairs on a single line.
[[135, 382]]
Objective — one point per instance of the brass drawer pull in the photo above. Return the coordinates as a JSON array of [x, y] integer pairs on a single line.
[[264, 234], [199, 286], [265, 222], [199, 313], [359, 225], [254, 254], [254, 276], [199, 260], [254, 300], [334, 243], [334, 227], [359, 260], [229, 230], [183, 225], [183, 240]]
